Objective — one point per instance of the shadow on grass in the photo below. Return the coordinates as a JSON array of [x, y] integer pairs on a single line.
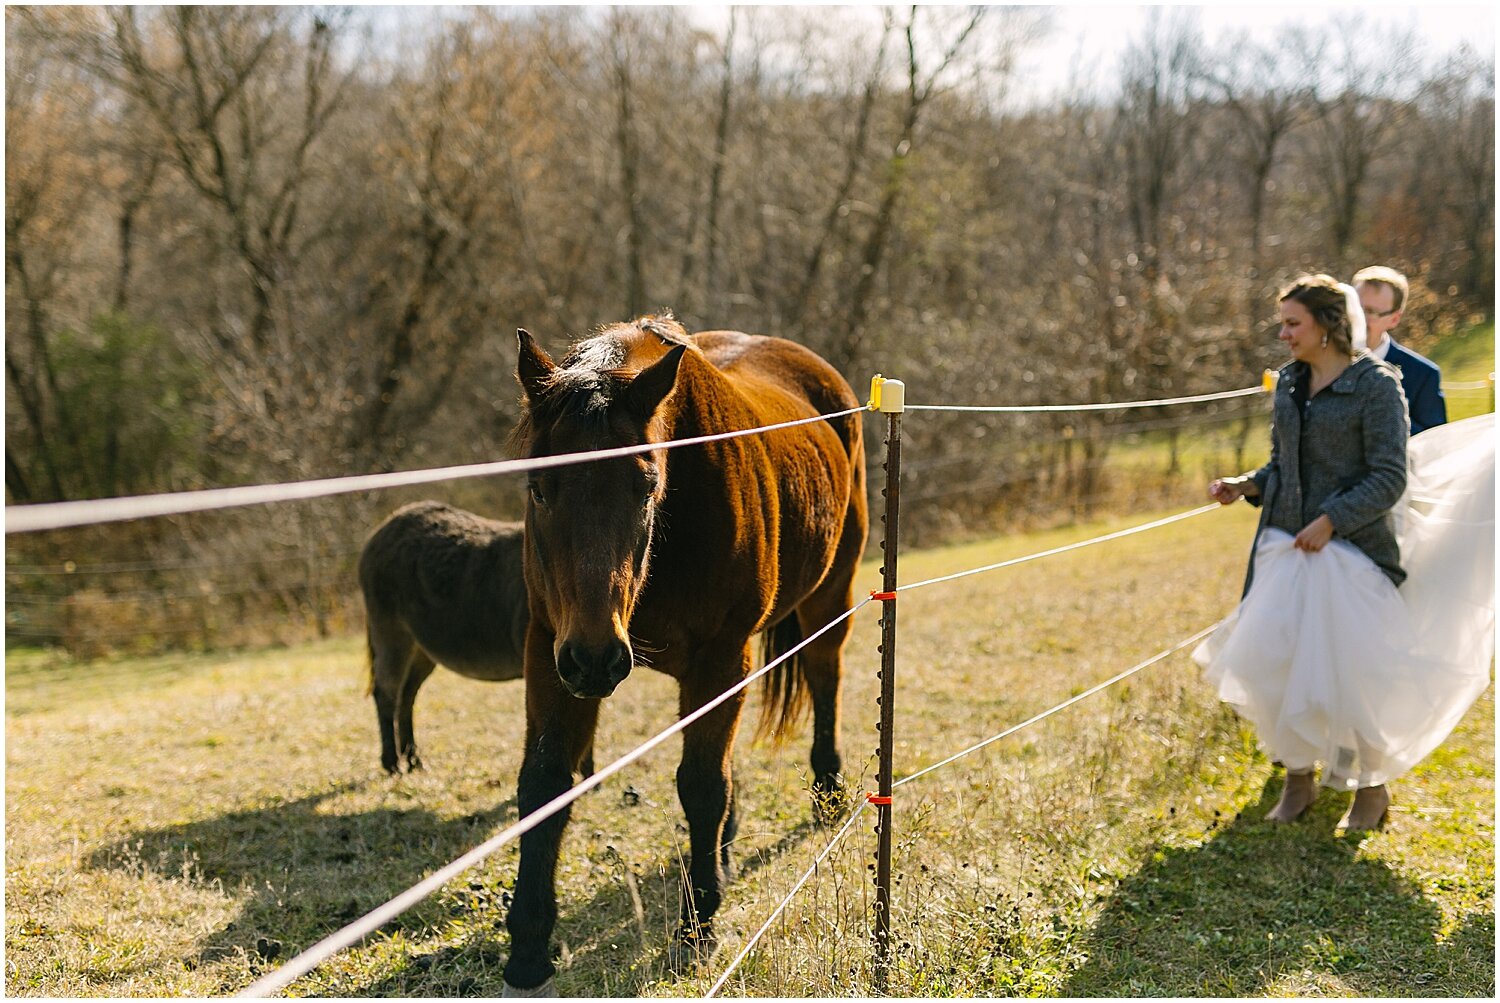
[[621, 956], [746, 862], [302, 873], [1259, 902], [470, 970], [625, 952], [619, 938]]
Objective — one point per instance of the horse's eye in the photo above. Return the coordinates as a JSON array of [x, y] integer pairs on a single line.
[[536, 492]]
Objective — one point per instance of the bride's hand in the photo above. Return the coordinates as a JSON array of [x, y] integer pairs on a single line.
[[1315, 535], [1227, 490]]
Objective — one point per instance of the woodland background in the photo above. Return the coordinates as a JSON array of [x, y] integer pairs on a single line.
[[253, 244]]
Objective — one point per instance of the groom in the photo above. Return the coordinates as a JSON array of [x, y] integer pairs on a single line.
[[1382, 292]]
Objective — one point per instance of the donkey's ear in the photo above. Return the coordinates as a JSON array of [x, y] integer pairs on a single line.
[[646, 392], [533, 365]]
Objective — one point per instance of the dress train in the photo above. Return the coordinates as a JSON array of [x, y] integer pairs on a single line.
[[1333, 665]]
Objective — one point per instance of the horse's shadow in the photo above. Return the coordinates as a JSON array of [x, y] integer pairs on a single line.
[[1260, 902], [300, 873], [598, 936], [616, 944]]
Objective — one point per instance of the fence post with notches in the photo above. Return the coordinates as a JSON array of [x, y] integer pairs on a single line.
[[889, 398]]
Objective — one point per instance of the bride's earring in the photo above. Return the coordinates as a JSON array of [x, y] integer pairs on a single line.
[[1325, 341]]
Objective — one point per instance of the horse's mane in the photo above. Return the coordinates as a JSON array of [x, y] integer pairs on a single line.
[[589, 376]]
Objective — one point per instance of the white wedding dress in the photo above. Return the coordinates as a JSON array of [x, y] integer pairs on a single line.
[[1335, 666]]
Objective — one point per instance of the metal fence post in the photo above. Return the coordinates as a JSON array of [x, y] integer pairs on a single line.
[[889, 398]]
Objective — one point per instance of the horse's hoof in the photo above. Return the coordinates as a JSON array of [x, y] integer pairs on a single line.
[[687, 951], [546, 989]]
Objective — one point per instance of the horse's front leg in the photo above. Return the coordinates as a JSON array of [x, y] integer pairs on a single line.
[[705, 787], [559, 733]]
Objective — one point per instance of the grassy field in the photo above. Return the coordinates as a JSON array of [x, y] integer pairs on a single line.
[[1468, 357], [177, 826], [1207, 450]]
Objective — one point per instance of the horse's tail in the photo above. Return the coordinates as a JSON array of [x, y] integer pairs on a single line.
[[786, 690]]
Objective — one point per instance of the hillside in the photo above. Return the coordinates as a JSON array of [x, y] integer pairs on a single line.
[[175, 826]]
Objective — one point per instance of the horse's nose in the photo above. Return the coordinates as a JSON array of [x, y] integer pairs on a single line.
[[593, 670]]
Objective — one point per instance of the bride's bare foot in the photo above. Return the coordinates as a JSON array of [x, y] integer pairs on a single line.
[[1368, 810], [1298, 792]]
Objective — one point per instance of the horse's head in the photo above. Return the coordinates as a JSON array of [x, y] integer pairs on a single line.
[[589, 525]]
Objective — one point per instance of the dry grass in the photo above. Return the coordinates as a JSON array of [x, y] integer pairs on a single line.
[[176, 826]]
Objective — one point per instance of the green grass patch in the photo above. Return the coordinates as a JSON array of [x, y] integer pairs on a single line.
[[1467, 357], [178, 826], [1208, 447]]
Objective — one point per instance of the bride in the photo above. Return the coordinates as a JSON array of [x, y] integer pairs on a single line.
[[1324, 656]]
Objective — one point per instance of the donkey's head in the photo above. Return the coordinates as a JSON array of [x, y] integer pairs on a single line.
[[589, 525]]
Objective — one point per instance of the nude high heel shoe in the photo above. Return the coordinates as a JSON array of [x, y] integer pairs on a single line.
[[1368, 811], [1297, 794]]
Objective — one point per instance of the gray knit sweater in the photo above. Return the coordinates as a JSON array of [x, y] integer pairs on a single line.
[[1344, 458]]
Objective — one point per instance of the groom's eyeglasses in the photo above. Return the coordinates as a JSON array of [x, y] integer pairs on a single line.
[[1377, 313]]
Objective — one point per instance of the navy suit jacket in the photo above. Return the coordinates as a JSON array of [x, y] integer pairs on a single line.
[[1422, 384]]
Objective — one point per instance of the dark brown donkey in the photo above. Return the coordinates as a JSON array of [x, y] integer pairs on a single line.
[[682, 555], [442, 587]]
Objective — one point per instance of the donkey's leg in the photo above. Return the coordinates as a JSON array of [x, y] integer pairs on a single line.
[[559, 730], [391, 648], [418, 670], [705, 786]]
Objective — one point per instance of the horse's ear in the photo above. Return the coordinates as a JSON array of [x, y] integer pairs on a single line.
[[533, 365], [646, 392]]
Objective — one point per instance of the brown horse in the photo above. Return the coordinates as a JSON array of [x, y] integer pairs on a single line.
[[683, 555], [442, 587]]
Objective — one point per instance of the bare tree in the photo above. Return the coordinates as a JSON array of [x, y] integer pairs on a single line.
[[1357, 114], [200, 79], [1159, 125], [628, 151], [716, 171], [445, 143], [49, 186], [1266, 91], [920, 88], [854, 156], [1458, 135], [1158, 120]]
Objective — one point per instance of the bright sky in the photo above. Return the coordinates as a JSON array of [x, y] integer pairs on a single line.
[[1098, 32], [1093, 35], [1445, 25]]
